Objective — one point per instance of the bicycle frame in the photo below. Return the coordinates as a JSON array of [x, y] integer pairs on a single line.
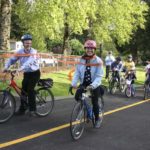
[[14, 85]]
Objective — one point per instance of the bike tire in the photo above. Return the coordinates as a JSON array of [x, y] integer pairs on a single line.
[[7, 106], [113, 87], [122, 88], [146, 92], [128, 92], [44, 102], [101, 111], [77, 121]]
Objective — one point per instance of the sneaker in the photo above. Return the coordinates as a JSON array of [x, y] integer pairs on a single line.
[[97, 124], [32, 114]]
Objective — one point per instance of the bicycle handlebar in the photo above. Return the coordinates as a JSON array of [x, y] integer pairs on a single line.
[[70, 90], [12, 72], [81, 87]]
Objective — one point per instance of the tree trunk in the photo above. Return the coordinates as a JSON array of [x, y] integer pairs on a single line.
[[66, 40], [5, 23], [66, 49]]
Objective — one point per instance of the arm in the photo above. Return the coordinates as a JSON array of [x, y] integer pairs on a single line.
[[99, 74], [76, 77], [11, 61]]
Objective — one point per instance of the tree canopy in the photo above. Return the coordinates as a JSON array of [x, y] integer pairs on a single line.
[[105, 20]]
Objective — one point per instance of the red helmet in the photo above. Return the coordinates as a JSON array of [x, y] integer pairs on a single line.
[[90, 44]]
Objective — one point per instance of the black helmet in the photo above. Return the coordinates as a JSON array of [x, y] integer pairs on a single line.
[[26, 37], [118, 58]]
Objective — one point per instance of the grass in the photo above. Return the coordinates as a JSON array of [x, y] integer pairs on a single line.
[[61, 82]]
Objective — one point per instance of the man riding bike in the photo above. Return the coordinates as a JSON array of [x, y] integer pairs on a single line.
[[89, 72], [29, 65]]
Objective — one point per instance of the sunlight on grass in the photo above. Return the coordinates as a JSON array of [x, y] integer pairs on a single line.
[[61, 82]]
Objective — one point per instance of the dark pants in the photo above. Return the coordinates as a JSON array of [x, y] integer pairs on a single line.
[[107, 71], [28, 84], [115, 74], [96, 93]]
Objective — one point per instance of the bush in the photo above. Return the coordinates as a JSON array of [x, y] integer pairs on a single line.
[[76, 47], [54, 45]]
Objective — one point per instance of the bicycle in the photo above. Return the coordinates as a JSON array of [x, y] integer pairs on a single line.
[[114, 84], [146, 89], [44, 98], [82, 113], [130, 89]]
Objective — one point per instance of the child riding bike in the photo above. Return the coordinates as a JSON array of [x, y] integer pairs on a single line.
[[147, 69]]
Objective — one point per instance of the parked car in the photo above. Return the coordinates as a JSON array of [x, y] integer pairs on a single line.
[[51, 61]]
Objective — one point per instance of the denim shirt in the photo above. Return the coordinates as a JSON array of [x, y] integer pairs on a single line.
[[27, 63], [96, 72]]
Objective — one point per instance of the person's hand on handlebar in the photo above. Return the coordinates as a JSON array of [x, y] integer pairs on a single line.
[[70, 89], [89, 88]]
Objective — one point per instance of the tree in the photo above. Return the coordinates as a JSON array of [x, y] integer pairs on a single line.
[[105, 20], [5, 22]]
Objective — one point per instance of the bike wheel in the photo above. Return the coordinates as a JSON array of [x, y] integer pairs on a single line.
[[101, 111], [77, 121], [122, 88], [113, 87], [128, 92], [146, 92], [44, 102], [7, 106]]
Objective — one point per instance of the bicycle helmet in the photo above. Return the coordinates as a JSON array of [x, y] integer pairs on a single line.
[[26, 37], [129, 56], [118, 58], [90, 44]]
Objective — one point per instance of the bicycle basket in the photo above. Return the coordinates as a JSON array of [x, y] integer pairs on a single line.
[[48, 83]]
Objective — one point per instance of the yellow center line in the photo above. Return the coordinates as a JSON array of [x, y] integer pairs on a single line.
[[32, 136]]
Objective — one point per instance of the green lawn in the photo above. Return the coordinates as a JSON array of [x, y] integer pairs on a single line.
[[61, 82]]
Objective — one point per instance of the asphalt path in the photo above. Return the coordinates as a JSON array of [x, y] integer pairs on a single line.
[[126, 126]]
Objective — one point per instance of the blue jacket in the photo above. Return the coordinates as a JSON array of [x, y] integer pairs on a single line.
[[96, 72], [117, 66]]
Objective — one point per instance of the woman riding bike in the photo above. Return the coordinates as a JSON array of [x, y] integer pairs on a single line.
[[89, 71]]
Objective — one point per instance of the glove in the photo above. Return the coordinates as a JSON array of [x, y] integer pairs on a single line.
[[70, 90], [90, 88]]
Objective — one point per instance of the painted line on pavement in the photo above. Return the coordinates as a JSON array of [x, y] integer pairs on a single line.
[[29, 137]]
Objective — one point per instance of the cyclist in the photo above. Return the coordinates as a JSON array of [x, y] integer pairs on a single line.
[[108, 61], [116, 68], [90, 71], [147, 69], [129, 64], [129, 68], [30, 67]]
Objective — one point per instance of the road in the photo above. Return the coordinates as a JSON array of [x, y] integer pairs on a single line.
[[125, 127]]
